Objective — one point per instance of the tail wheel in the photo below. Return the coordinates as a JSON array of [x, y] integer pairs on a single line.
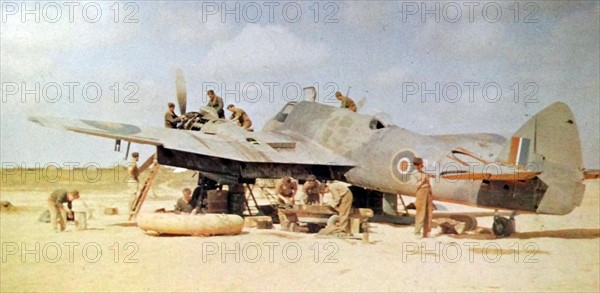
[[503, 227]]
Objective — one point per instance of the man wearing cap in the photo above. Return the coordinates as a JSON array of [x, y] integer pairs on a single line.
[[341, 203], [216, 103], [238, 115], [311, 190], [171, 118], [346, 102], [58, 212], [133, 178], [424, 199], [184, 204]]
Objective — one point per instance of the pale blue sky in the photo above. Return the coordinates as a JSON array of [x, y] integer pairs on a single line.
[[374, 48]]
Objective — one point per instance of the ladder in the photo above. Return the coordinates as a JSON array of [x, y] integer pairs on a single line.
[[272, 198], [143, 192], [250, 195], [264, 194]]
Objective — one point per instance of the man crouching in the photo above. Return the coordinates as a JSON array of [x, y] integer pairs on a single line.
[[58, 212], [184, 204], [342, 204]]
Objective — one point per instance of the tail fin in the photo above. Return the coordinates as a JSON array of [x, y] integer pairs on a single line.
[[549, 143]]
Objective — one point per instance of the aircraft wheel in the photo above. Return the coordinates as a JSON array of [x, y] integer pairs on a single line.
[[503, 227]]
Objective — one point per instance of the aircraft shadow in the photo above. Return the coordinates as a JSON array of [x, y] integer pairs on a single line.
[[155, 234], [565, 234], [125, 224], [486, 234]]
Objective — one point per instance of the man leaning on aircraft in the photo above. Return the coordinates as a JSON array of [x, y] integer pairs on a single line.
[[216, 103], [346, 102], [171, 118], [240, 116]]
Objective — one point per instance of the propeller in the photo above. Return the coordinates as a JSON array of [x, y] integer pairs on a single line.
[[181, 91], [361, 103]]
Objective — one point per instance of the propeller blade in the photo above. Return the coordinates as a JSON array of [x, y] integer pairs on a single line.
[[181, 91], [361, 103]]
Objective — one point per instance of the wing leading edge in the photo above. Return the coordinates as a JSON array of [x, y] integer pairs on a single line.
[[227, 142]]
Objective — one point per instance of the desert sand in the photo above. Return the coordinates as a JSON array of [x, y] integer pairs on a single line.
[[548, 253]]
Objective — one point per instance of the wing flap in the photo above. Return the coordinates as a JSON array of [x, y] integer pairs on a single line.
[[489, 176], [472, 167]]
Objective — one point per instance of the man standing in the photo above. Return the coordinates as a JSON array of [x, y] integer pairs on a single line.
[[346, 102], [216, 103], [58, 212], [424, 200], [311, 190], [240, 117], [171, 118], [133, 178], [183, 204], [341, 203]]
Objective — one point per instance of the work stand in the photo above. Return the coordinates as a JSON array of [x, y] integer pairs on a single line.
[[152, 164]]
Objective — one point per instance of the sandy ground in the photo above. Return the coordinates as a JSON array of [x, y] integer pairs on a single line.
[[549, 253]]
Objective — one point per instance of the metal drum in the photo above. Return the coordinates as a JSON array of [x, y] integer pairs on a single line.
[[236, 203], [216, 201]]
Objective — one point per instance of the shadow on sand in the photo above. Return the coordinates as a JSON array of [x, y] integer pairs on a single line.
[[565, 234], [125, 224], [486, 234]]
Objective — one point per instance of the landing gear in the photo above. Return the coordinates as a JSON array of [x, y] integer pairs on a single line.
[[504, 227], [199, 197]]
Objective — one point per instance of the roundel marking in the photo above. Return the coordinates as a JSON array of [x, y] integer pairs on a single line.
[[401, 165], [118, 128]]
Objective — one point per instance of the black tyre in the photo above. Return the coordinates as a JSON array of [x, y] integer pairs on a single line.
[[503, 227], [313, 228]]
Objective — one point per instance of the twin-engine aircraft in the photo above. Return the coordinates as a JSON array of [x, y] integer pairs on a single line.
[[538, 170]]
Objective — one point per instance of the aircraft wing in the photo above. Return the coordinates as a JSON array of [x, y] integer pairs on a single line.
[[226, 142]]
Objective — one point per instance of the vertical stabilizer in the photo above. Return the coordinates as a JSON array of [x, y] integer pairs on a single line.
[[549, 143]]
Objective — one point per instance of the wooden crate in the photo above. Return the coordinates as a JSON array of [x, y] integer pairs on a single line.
[[253, 221]]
